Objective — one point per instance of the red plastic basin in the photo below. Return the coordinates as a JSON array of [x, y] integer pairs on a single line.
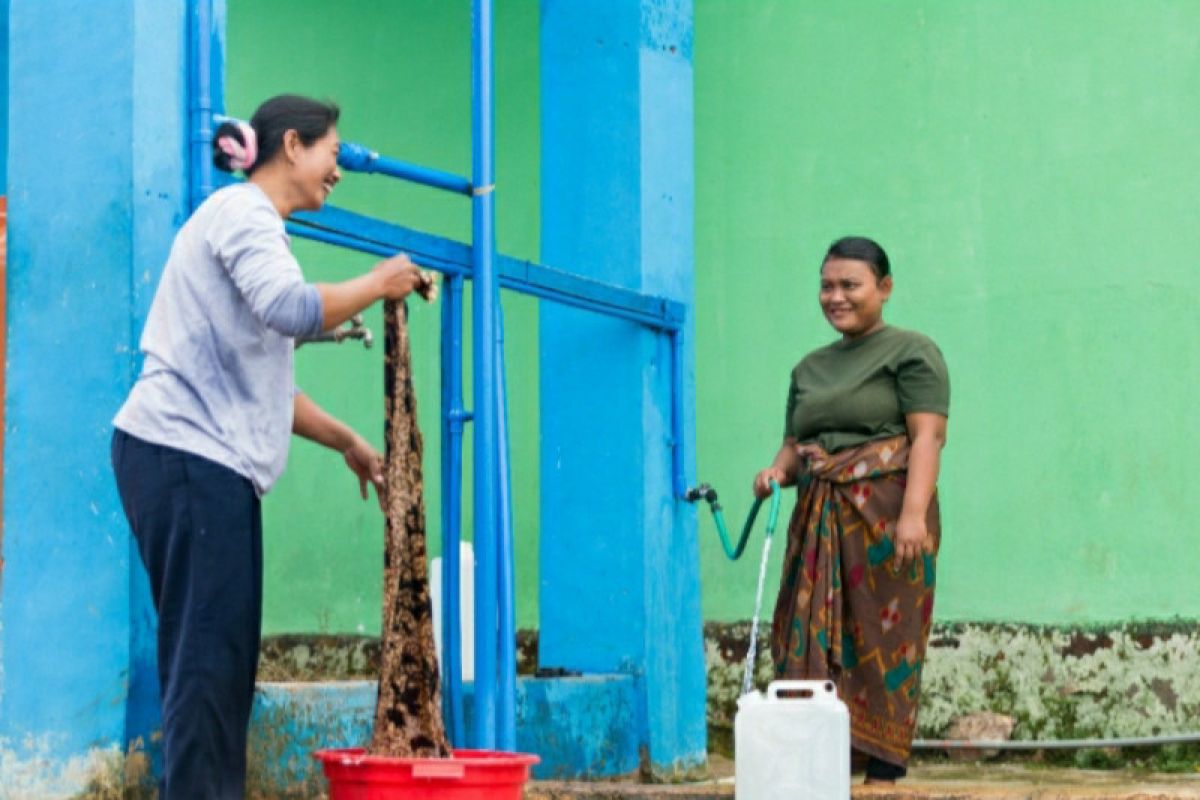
[[467, 775]]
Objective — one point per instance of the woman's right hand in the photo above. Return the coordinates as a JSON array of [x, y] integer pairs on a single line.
[[762, 481], [398, 277]]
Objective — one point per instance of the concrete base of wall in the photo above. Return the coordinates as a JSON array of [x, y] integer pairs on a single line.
[[582, 727]]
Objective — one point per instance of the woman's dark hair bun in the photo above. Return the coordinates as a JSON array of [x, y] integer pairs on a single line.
[[224, 155], [860, 248], [310, 119]]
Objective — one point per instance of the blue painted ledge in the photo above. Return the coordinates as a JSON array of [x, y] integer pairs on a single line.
[[582, 727]]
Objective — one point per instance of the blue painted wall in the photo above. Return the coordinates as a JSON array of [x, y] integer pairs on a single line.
[[94, 202], [160, 166], [96, 101], [3, 96], [619, 588]]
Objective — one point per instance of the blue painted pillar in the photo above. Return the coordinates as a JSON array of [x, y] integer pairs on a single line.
[[619, 558], [96, 191], [3, 96]]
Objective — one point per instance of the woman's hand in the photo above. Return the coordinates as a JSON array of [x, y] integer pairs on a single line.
[[315, 423], [762, 481], [391, 279], [367, 464], [912, 538], [398, 277], [811, 455]]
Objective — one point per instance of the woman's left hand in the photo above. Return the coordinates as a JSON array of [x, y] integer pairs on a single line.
[[912, 538], [366, 463]]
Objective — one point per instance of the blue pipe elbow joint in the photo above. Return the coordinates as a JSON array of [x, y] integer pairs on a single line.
[[356, 157]]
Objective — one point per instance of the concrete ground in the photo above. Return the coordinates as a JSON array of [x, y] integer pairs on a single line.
[[925, 782]]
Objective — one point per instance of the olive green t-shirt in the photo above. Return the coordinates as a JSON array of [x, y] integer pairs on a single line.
[[856, 391]]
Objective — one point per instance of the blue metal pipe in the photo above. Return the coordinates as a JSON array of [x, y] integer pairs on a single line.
[[453, 418], [483, 240], [200, 106], [358, 158], [506, 713], [678, 467], [384, 238]]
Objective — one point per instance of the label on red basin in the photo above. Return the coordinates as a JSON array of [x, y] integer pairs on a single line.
[[443, 770]]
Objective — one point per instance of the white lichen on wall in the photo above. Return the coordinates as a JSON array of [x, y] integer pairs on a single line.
[[32, 768], [1056, 684], [1118, 684]]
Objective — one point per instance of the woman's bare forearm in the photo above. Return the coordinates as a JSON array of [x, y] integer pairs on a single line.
[[316, 424], [392, 279], [341, 301], [787, 461], [924, 462]]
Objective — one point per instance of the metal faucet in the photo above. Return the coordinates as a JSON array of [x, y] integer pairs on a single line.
[[351, 329]]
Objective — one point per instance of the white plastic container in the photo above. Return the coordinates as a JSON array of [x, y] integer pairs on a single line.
[[794, 747], [466, 607]]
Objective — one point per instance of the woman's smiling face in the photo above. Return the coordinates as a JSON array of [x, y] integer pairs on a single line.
[[852, 297], [315, 167]]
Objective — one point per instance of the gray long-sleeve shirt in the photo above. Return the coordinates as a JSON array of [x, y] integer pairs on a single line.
[[219, 340]]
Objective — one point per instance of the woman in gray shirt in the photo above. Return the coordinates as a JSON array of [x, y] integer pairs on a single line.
[[205, 430]]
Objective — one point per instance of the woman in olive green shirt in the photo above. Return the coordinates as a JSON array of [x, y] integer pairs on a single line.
[[865, 425]]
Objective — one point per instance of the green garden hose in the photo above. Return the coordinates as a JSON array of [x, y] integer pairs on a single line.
[[709, 494]]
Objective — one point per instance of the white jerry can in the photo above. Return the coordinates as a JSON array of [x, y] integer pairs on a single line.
[[792, 747]]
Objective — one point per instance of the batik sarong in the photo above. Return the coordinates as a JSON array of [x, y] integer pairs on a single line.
[[846, 612]]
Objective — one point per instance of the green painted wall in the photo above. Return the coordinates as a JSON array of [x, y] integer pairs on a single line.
[[1030, 168]]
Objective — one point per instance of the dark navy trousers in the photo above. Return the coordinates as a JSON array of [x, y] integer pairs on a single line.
[[198, 527]]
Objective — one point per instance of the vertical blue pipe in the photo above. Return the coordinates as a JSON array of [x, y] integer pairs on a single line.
[[200, 110], [453, 418], [506, 714], [484, 348], [678, 478]]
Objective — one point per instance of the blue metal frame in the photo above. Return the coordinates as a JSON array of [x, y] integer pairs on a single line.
[[334, 225], [495, 634]]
